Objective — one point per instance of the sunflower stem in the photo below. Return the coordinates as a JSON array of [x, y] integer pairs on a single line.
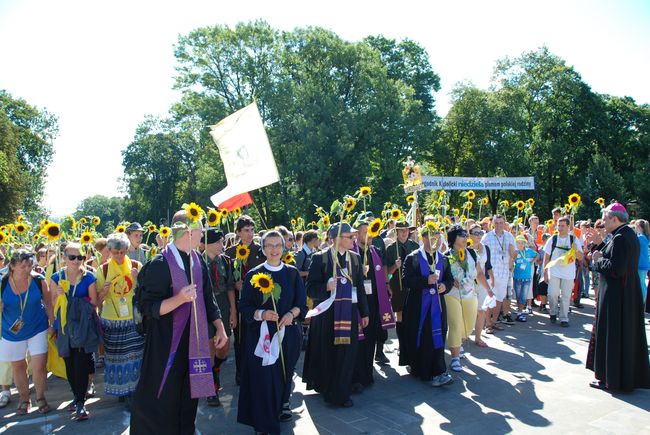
[[196, 319], [277, 326]]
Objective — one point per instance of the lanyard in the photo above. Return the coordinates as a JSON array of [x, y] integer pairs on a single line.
[[74, 289], [22, 303]]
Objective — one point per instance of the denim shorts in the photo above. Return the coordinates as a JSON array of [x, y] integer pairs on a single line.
[[521, 290]]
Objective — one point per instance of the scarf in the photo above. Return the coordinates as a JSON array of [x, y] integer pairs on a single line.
[[431, 301], [386, 315], [200, 365], [61, 304], [343, 303], [119, 275]]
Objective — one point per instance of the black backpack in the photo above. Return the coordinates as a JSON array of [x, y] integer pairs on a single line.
[[138, 316], [38, 279]]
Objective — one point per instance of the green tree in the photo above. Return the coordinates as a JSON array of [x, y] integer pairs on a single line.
[[12, 185], [109, 210]]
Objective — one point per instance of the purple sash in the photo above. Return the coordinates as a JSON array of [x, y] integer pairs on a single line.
[[200, 366], [386, 315], [431, 302], [343, 306]]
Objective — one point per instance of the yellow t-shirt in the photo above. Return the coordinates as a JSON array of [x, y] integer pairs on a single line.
[[118, 302]]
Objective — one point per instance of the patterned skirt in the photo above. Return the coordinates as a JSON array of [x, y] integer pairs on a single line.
[[124, 348]]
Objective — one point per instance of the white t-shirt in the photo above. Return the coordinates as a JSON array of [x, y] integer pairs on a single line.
[[562, 246]]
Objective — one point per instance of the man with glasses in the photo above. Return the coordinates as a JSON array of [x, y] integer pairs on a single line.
[[502, 250], [336, 285]]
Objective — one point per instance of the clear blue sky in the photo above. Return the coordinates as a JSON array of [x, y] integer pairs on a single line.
[[102, 66]]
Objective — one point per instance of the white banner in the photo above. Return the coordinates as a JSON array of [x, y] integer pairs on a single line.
[[246, 153], [476, 183]]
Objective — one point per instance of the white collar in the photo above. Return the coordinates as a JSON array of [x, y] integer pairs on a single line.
[[306, 249], [177, 255], [423, 252], [273, 268]]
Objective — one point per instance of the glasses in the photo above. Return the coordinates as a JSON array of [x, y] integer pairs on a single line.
[[351, 237], [75, 257], [600, 227], [290, 239], [273, 246], [477, 233]]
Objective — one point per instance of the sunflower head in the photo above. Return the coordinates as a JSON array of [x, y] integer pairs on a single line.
[[153, 252], [213, 217], [350, 203], [468, 205], [530, 201], [293, 222], [365, 191], [375, 227], [326, 220], [96, 221], [86, 238], [441, 193], [20, 228], [120, 229], [20, 218], [263, 282], [470, 243], [3, 237], [456, 211], [550, 222], [165, 231], [36, 237], [520, 205], [236, 211], [82, 221], [484, 201], [395, 214], [52, 232], [461, 254], [242, 252], [194, 212], [152, 228], [288, 258], [601, 202], [410, 199], [574, 200], [224, 213], [506, 203], [471, 195]]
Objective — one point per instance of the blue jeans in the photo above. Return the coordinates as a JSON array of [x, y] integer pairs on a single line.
[[521, 289]]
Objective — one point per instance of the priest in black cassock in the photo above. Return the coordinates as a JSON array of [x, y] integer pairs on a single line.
[[176, 367], [335, 283], [428, 277], [265, 390], [618, 351]]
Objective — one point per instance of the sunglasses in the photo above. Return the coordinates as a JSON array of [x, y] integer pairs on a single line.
[[477, 233], [349, 237], [23, 257], [76, 257]]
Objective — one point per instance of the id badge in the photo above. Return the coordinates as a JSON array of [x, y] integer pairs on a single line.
[[522, 266], [367, 285], [17, 326], [123, 308]]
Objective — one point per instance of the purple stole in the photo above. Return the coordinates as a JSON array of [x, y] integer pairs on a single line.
[[343, 305], [431, 303], [386, 315], [200, 366]]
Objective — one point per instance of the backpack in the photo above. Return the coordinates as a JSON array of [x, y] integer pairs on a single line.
[[138, 316], [554, 243], [38, 279]]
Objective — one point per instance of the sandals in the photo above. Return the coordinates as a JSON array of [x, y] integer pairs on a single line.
[[23, 408], [481, 343], [43, 407]]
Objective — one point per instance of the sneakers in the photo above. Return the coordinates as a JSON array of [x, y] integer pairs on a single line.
[[81, 413], [455, 365], [380, 358], [440, 380], [564, 324], [91, 390], [462, 352], [285, 413], [521, 317], [5, 398], [508, 320], [553, 318]]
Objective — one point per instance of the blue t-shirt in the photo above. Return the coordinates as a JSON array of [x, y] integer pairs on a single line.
[[523, 263], [81, 290], [644, 262], [34, 316]]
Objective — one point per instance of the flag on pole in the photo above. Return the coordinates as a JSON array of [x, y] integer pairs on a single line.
[[246, 153], [237, 201]]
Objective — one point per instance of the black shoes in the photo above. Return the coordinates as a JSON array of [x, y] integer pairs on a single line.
[[285, 414], [564, 324], [81, 413], [214, 401], [553, 318], [380, 358]]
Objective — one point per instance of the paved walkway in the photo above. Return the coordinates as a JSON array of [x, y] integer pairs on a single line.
[[531, 379]]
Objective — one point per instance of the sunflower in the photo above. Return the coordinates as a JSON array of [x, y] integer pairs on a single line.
[[120, 229], [484, 201], [574, 200], [456, 212], [447, 221], [237, 211], [213, 217], [3, 229], [365, 191], [550, 222], [530, 201], [506, 203], [350, 203], [410, 199], [153, 251], [461, 254], [3, 238], [441, 193], [44, 223], [470, 243], [20, 228], [152, 228], [375, 227], [431, 226], [471, 195], [288, 258], [165, 232], [36, 237], [52, 232], [468, 205], [86, 238], [396, 214], [601, 202], [193, 211], [96, 221], [263, 282], [520, 205], [293, 222], [463, 219], [82, 221], [224, 213], [326, 220], [567, 208], [242, 252]]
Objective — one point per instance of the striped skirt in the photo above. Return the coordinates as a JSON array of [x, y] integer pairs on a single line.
[[124, 348]]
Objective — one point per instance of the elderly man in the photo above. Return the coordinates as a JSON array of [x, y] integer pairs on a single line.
[[618, 351]]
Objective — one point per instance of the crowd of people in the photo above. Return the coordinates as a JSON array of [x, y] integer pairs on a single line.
[[162, 323]]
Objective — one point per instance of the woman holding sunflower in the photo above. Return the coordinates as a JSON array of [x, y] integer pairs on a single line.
[[272, 300], [123, 344]]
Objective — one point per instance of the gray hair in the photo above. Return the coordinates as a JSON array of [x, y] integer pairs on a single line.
[[621, 215], [118, 241], [272, 233]]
